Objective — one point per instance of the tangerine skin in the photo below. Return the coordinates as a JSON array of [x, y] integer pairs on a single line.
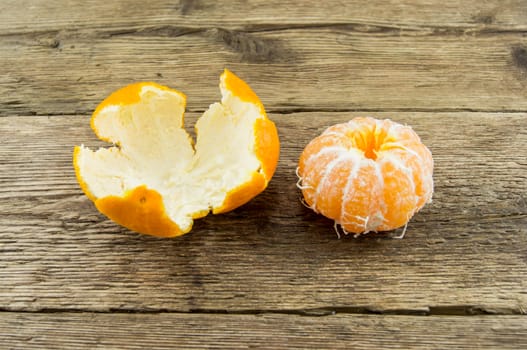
[[142, 209], [367, 174]]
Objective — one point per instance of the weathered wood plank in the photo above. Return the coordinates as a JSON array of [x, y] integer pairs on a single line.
[[337, 68], [20, 15], [166, 331], [468, 248]]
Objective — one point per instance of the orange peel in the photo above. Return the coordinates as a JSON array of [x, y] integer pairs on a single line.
[[154, 179]]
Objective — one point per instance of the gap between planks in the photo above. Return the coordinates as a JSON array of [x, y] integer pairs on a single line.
[[293, 110], [456, 310]]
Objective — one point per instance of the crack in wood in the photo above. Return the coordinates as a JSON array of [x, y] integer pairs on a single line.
[[157, 31], [350, 27]]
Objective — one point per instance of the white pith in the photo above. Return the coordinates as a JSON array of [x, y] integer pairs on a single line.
[[154, 150]]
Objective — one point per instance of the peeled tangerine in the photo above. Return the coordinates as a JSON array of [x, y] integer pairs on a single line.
[[366, 175], [154, 180]]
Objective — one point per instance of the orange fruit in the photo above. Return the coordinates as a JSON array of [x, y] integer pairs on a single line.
[[366, 175], [154, 180]]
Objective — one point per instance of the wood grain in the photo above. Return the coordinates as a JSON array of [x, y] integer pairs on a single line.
[[465, 251], [58, 72], [166, 331], [271, 274], [20, 15]]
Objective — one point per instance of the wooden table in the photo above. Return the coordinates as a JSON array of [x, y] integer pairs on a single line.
[[272, 273]]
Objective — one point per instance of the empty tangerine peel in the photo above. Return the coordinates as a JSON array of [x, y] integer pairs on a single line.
[[154, 181], [366, 175]]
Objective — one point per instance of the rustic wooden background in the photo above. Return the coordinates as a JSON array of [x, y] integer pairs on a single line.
[[272, 273]]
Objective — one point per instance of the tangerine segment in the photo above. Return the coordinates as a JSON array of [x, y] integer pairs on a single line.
[[154, 180], [366, 174]]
